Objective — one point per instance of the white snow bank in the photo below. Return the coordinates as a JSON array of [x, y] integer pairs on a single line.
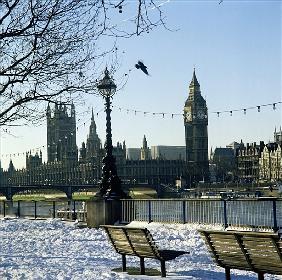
[[57, 250]]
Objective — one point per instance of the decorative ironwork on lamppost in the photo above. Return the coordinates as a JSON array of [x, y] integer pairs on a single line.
[[110, 186]]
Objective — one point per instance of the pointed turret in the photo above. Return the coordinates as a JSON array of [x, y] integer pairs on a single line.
[[92, 117], [194, 82], [82, 156], [11, 167], [93, 143], [145, 145], [278, 135], [48, 111], [93, 127], [194, 90], [145, 152]]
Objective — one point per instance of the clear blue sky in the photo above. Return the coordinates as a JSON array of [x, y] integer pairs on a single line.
[[236, 50]]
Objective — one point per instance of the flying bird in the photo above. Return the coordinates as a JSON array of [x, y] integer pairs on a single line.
[[140, 65]]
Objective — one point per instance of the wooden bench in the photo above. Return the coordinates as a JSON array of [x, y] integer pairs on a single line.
[[254, 251], [138, 242]]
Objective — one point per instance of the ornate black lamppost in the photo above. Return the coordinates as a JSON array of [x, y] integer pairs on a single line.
[[110, 186]]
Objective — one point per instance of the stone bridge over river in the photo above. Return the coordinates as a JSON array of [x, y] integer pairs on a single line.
[[10, 191]]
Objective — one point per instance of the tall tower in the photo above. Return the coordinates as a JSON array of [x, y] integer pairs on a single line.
[[145, 151], [93, 143], [196, 130], [61, 135]]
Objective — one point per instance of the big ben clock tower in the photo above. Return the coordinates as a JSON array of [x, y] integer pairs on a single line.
[[196, 130]]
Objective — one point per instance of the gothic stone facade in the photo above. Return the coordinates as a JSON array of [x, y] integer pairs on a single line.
[[260, 163], [270, 163]]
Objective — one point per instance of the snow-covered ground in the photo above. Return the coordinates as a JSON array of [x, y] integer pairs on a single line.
[[54, 249]]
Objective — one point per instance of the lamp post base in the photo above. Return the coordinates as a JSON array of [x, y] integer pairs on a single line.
[[102, 211]]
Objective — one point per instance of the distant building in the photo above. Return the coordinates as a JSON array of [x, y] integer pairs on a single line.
[[152, 171], [133, 154], [224, 164], [278, 136], [270, 163], [234, 146], [212, 171], [156, 152], [260, 163], [119, 153], [168, 152], [33, 161], [247, 159]]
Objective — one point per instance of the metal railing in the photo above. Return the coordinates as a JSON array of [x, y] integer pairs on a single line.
[[264, 214], [68, 210]]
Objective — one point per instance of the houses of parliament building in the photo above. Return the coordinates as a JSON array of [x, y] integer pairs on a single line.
[[69, 165]]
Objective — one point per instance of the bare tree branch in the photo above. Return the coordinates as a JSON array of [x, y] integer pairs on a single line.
[[49, 50]]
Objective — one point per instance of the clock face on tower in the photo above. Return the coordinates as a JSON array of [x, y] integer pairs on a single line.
[[187, 115], [201, 114]]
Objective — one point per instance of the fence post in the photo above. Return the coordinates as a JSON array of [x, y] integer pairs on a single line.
[[129, 210], [225, 214], [4, 208], [18, 210], [35, 209], [74, 214], [54, 209], [132, 210], [149, 210], [275, 228], [126, 212], [184, 211]]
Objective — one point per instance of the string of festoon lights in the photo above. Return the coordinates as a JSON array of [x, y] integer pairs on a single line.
[[82, 123], [274, 106]]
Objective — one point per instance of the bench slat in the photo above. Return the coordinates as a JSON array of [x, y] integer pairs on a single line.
[[224, 255], [222, 236], [269, 269], [235, 263], [223, 247], [230, 242], [267, 265]]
